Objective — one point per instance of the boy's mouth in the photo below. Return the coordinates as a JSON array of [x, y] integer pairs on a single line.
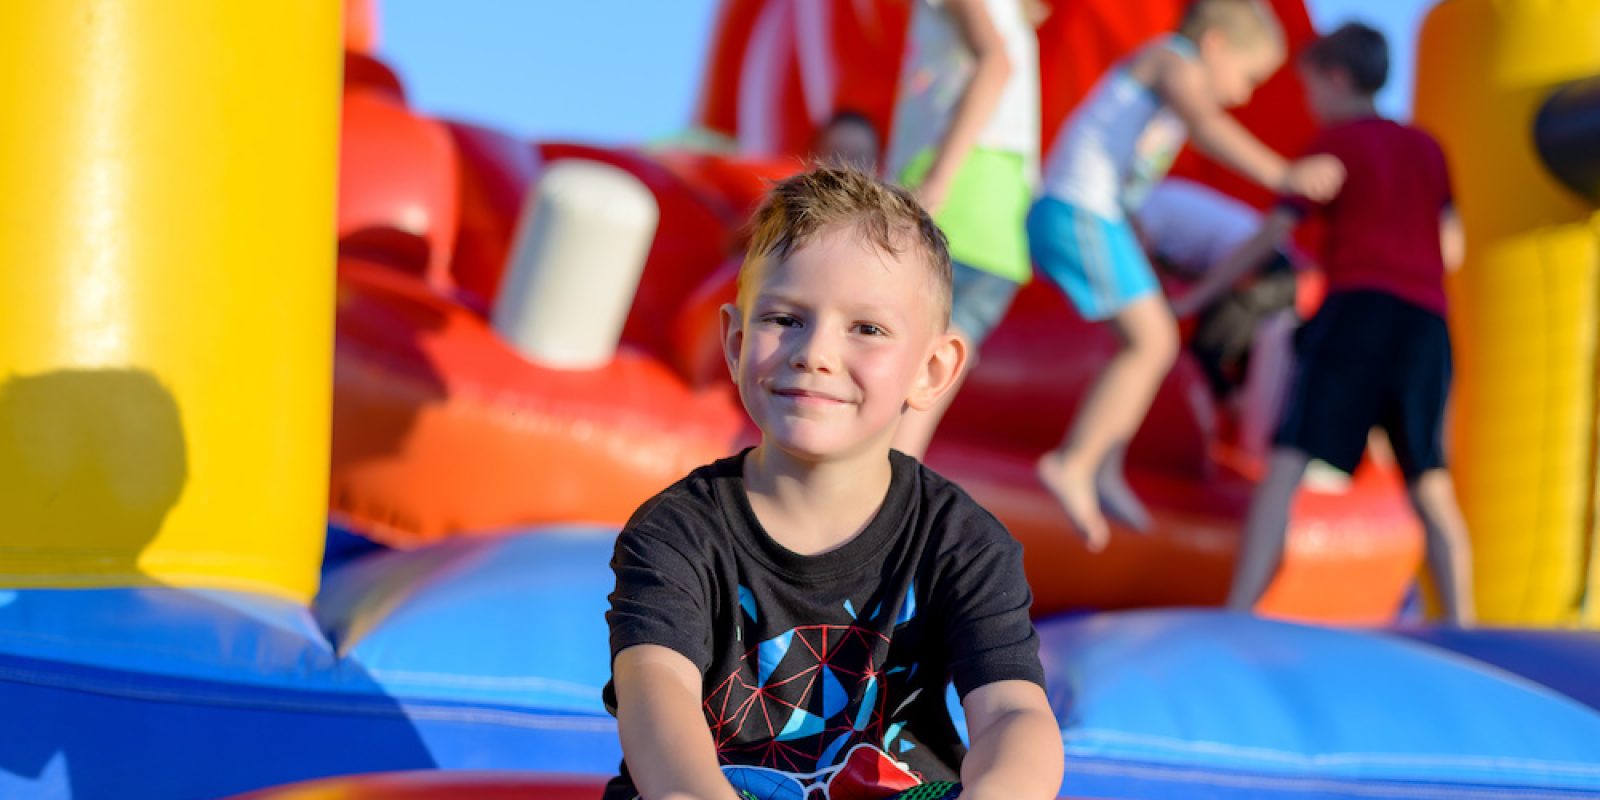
[[807, 396]]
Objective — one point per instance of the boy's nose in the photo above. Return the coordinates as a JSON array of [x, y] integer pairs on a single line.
[[814, 351]]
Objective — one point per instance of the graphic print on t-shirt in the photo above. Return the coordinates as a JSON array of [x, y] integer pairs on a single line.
[[798, 701]]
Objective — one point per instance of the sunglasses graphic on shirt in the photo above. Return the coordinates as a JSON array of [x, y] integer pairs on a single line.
[[867, 773]]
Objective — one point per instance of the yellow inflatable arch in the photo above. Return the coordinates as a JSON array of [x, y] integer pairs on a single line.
[[1525, 312], [166, 292]]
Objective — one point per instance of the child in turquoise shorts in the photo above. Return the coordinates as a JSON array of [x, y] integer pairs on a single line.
[[1122, 136]]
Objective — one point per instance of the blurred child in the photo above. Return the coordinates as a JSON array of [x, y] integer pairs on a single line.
[[1242, 340], [850, 140], [1377, 353], [966, 137], [820, 574], [1127, 131]]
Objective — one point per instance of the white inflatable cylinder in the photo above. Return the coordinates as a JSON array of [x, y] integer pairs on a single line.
[[580, 246]]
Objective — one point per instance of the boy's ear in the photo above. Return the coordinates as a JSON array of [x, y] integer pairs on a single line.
[[939, 374], [1341, 77], [732, 337]]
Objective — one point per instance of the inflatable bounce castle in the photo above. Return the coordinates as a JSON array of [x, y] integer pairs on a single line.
[[318, 416]]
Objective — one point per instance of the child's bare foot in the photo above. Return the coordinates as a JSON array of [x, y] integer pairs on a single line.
[[1075, 491], [1118, 499]]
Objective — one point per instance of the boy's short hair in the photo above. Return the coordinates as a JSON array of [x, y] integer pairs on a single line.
[[1359, 50], [822, 198], [1245, 23]]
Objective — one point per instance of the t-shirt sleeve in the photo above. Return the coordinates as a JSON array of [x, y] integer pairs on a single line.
[[988, 633], [661, 595]]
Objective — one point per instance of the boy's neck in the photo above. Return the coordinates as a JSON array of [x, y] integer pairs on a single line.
[[1354, 108], [814, 507]]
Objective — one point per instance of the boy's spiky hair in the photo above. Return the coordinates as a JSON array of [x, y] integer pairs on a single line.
[[1359, 50], [831, 197], [1243, 22]]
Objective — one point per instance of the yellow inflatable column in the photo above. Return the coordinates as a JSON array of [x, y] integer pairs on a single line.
[[1524, 313], [166, 291]]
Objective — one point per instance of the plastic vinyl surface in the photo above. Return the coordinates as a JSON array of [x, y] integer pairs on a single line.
[[1181, 704], [487, 654], [165, 318], [490, 653], [1524, 303], [440, 427]]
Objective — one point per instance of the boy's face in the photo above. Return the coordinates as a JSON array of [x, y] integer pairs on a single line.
[[851, 144], [1236, 70], [1325, 89], [834, 343]]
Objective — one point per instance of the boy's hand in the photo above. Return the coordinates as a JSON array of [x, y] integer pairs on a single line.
[[931, 194], [1318, 177]]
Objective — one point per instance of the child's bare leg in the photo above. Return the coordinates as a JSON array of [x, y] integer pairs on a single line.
[[1116, 496], [1265, 528], [1266, 383], [917, 427], [1449, 552], [1110, 414]]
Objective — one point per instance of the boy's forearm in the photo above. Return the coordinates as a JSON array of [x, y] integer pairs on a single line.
[[972, 112], [1239, 263], [1248, 256], [981, 95], [1452, 241], [1222, 137], [665, 740], [1017, 758]]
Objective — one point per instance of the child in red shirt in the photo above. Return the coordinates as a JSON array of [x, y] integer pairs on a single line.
[[1378, 352]]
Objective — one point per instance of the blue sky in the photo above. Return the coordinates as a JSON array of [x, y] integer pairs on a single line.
[[627, 71]]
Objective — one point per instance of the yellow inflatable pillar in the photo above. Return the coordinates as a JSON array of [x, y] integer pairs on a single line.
[[1524, 315], [166, 291]]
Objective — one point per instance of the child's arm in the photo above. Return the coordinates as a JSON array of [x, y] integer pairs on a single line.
[[1182, 86], [665, 739], [992, 68], [1272, 234], [1452, 239], [1016, 743]]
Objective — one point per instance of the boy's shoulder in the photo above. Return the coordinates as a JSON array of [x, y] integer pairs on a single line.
[[690, 505], [955, 520], [1373, 132]]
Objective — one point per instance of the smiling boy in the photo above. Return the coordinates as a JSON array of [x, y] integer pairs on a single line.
[[785, 616]]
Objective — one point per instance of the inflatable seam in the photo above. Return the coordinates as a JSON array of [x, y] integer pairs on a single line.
[[1366, 787], [441, 679], [399, 709], [1074, 740]]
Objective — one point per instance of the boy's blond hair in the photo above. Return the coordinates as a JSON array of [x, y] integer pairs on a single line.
[[1246, 24], [832, 197]]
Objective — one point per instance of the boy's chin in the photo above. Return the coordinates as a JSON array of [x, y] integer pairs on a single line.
[[821, 450]]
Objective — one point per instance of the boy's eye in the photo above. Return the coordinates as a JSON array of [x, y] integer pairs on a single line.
[[869, 329], [781, 320]]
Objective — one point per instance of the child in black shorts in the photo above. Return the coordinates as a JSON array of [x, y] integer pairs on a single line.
[[1377, 354]]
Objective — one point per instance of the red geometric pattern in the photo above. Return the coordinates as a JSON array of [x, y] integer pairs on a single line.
[[758, 724]]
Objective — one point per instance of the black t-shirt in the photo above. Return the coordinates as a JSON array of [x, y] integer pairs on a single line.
[[804, 657]]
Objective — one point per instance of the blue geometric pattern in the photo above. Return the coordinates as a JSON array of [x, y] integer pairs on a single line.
[[834, 698], [908, 609], [800, 725], [772, 652], [747, 601]]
